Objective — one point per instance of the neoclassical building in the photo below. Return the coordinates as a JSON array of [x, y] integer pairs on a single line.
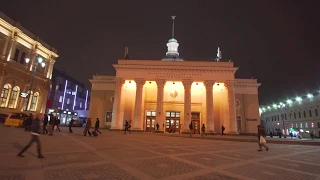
[[26, 65], [174, 93]]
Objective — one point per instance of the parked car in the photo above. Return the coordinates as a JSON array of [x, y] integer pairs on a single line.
[[15, 119]]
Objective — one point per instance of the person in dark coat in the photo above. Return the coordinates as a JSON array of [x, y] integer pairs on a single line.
[[261, 133], [51, 124], [35, 133], [56, 123], [157, 126], [88, 126], [97, 125], [127, 127], [191, 129], [45, 122], [203, 129], [222, 130], [70, 125]]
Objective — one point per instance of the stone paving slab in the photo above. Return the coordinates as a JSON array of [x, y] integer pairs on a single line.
[[114, 155]]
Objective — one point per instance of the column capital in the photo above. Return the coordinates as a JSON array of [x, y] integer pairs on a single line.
[[119, 81], [187, 83], [229, 83], [209, 83], [139, 81], [161, 82]]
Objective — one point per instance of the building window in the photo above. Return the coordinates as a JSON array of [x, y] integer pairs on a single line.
[[16, 55], [299, 114], [23, 57], [60, 99], [278, 117], [290, 115], [304, 114], [306, 125], [80, 105], [285, 116], [316, 112], [310, 114], [296, 125], [301, 126], [312, 125], [68, 101], [14, 97], [34, 101], [57, 86], [295, 116], [4, 95]]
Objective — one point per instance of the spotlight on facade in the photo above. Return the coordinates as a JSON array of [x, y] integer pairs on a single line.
[[218, 84], [299, 99], [264, 109], [289, 101], [43, 64], [310, 96], [173, 83], [149, 82]]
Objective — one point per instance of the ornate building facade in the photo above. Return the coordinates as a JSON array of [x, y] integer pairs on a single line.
[[26, 65], [173, 93]]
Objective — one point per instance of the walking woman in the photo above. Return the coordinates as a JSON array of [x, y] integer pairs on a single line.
[[97, 125]]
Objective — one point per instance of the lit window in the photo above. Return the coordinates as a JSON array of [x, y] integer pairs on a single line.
[[4, 95], [167, 114], [177, 114], [80, 105], [296, 125], [148, 113], [68, 101], [306, 125], [153, 113], [60, 99], [34, 101], [301, 126], [312, 125], [14, 97]]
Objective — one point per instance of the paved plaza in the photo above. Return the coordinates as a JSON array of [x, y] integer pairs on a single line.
[[147, 156]]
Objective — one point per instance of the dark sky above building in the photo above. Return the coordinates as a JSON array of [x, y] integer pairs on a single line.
[[275, 41]]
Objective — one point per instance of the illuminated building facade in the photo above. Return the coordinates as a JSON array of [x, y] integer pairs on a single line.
[[174, 93], [16, 76], [67, 97], [296, 115]]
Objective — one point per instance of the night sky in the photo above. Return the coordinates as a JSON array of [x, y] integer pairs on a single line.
[[276, 42]]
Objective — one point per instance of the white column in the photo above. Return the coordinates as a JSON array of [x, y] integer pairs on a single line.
[[50, 68], [232, 107], [33, 56], [116, 104], [209, 105], [160, 112], [4, 50], [187, 104], [11, 48], [138, 122]]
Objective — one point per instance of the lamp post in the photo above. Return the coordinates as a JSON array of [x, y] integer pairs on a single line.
[[38, 61]]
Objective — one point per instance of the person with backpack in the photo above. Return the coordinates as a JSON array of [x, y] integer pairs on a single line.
[[97, 125], [191, 129]]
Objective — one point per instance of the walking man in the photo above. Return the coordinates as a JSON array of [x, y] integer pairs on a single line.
[[88, 126], [56, 123], [51, 124], [97, 125], [70, 125], [45, 122], [203, 129], [157, 126], [127, 127], [222, 130], [35, 130], [191, 129], [261, 134]]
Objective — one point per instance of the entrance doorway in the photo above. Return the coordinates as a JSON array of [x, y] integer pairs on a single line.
[[150, 121], [172, 122], [195, 119]]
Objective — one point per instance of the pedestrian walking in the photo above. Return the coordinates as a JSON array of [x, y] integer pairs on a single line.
[[88, 126], [222, 130], [35, 133], [70, 125], [51, 124], [261, 138], [127, 127], [203, 129], [157, 126], [57, 123], [97, 125], [191, 129], [312, 135], [45, 122]]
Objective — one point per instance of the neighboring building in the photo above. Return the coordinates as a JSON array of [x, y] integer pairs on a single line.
[[16, 76], [67, 97], [175, 93], [296, 115]]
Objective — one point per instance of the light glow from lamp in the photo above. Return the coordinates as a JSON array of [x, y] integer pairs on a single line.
[[40, 60], [310, 96], [299, 99], [85, 104], [27, 60], [43, 64], [64, 94], [289, 101], [75, 97]]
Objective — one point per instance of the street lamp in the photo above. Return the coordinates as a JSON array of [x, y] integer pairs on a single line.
[[35, 65]]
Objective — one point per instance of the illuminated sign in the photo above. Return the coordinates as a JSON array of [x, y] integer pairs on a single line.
[[23, 95]]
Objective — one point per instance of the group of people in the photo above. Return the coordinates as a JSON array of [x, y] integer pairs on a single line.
[[32, 124]]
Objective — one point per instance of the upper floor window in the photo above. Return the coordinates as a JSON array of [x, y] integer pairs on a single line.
[[285, 116], [68, 101], [23, 57], [16, 55], [316, 111], [80, 105], [295, 116], [304, 114], [310, 114], [299, 114], [290, 115]]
